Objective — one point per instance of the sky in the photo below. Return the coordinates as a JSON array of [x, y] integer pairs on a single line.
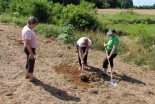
[[143, 2]]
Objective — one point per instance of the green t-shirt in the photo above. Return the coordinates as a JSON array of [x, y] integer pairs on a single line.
[[113, 41]]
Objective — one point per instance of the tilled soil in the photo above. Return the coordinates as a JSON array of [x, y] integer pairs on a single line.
[[58, 78]]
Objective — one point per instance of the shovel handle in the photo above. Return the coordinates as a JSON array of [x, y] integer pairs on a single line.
[[110, 65]]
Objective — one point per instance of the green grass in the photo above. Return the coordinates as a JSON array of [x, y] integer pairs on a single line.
[[128, 22], [8, 18], [140, 30], [5, 18], [132, 28], [49, 30]]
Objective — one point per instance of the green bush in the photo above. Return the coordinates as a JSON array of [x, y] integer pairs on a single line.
[[40, 8], [3, 5], [81, 16]]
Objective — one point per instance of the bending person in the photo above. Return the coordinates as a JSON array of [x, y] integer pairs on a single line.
[[83, 45]]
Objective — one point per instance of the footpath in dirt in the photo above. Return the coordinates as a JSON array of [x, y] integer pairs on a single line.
[[58, 78]]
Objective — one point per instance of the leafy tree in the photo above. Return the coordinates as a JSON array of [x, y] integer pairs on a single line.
[[125, 3], [65, 2]]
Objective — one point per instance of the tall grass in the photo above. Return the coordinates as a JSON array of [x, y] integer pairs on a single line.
[[8, 18], [49, 30], [5, 18]]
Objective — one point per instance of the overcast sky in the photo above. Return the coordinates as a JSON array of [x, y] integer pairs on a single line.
[[143, 2]]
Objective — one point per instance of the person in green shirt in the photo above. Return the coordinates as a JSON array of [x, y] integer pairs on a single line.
[[112, 50]]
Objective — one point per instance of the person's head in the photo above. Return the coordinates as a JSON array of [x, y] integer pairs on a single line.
[[32, 22], [111, 32], [85, 41]]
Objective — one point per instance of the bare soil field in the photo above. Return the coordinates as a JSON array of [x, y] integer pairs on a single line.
[[114, 11], [58, 78]]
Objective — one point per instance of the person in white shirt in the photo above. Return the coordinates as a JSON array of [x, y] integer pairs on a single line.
[[29, 39], [83, 45]]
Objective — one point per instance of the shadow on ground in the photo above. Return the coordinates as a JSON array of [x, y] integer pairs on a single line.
[[116, 76], [99, 73], [58, 93], [129, 79]]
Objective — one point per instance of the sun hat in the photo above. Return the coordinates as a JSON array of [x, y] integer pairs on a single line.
[[110, 31]]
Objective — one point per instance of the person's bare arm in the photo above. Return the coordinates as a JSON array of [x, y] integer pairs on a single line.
[[81, 54], [113, 50], [87, 49]]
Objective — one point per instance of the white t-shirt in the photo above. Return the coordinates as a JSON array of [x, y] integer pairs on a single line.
[[28, 34], [80, 41]]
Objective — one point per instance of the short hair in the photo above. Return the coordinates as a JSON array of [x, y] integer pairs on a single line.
[[32, 20], [85, 41]]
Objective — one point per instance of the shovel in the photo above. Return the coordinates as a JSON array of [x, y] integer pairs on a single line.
[[111, 79], [83, 77]]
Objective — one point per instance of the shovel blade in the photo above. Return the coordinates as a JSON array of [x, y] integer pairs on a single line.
[[113, 84]]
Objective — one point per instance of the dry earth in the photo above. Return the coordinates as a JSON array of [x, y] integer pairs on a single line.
[[114, 11], [57, 77]]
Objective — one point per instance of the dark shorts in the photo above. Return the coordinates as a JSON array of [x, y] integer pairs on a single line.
[[105, 62], [85, 58], [29, 62]]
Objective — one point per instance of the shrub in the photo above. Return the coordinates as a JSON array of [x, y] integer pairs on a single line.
[[3, 5], [40, 9], [81, 16]]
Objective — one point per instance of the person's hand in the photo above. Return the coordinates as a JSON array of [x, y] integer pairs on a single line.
[[31, 56], [84, 55], [82, 62], [105, 44], [108, 57]]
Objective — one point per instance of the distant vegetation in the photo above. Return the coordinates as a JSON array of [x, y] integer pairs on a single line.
[[68, 20], [145, 7]]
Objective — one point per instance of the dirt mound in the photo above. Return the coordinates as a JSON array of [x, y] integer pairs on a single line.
[[72, 73]]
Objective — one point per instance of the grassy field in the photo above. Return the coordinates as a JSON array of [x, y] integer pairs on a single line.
[[115, 11]]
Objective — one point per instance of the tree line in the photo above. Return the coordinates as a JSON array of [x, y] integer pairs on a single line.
[[100, 3]]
